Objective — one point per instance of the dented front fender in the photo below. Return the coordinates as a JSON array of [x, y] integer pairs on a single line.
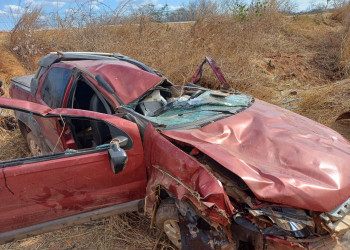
[[186, 178]]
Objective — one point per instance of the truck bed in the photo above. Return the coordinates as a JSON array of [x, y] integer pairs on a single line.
[[20, 88], [23, 82]]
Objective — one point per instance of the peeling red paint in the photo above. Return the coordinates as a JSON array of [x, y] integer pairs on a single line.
[[212, 198]]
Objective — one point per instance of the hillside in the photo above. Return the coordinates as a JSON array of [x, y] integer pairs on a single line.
[[297, 62]]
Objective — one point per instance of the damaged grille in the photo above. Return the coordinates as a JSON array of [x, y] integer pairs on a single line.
[[337, 221]]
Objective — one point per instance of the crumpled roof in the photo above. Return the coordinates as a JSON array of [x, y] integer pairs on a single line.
[[128, 81]]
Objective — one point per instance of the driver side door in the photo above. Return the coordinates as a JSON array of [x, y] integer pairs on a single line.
[[43, 193]]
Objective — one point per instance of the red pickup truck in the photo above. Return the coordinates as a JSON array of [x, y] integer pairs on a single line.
[[214, 168]]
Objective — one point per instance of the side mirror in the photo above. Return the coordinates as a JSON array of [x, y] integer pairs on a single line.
[[117, 156]]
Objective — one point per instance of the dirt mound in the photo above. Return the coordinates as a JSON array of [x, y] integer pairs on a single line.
[[295, 66]]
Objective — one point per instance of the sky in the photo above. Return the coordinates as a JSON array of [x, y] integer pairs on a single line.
[[10, 9]]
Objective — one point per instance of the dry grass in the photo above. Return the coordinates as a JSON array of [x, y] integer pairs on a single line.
[[273, 57], [12, 144], [10, 66], [342, 15], [264, 54], [126, 231]]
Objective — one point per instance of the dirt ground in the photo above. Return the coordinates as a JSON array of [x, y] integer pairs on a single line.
[[293, 78], [126, 231]]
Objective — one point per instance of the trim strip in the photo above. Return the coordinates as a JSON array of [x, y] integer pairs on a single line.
[[68, 221]]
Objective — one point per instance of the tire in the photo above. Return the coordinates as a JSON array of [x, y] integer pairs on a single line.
[[167, 219], [33, 145]]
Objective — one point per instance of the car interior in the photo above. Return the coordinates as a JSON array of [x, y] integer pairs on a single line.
[[88, 133], [93, 133]]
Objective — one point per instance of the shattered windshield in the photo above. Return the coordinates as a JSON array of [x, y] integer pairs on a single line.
[[170, 106], [209, 104]]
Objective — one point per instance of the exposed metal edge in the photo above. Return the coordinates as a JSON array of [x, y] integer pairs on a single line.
[[82, 53], [68, 221]]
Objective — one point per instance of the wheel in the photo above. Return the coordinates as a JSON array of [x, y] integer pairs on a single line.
[[167, 218], [33, 145]]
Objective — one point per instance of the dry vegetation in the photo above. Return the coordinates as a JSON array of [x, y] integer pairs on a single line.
[[126, 231], [304, 59], [269, 55]]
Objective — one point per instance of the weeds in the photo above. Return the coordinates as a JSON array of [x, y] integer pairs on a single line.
[[176, 49], [125, 231], [25, 40], [343, 15], [260, 50], [258, 55]]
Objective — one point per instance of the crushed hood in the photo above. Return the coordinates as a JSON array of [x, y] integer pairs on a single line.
[[283, 157]]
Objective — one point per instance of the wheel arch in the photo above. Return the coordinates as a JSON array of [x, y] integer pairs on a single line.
[[196, 229]]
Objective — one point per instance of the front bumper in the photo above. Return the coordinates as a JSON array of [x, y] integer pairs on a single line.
[[337, 221]]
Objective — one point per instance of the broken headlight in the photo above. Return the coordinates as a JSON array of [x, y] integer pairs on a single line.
[[283, 221]]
